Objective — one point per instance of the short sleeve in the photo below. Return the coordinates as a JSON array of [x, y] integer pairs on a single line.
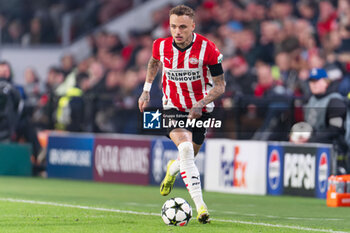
[[155, 49], [213, 54]]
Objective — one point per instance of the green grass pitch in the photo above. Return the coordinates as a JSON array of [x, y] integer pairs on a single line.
[[49, 205]]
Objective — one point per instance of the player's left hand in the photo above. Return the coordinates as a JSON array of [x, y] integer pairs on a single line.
[[196, 111], [144, 100]]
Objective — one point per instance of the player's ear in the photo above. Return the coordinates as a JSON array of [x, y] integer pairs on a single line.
[[193, 26]]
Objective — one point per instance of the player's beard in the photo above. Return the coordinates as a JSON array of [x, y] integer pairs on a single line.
[[185, 43]]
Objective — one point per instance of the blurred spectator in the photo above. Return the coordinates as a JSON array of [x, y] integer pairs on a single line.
[[276, 103], [205, 14], [325, 110], [95, 94], [18, 119], [70, 114], [86, 16], [38, 34], [326, 113], [14, 33], [3, 25], [334, 73], [113, 42], [239, 78], [308, 10], [32, 88], [281, 9], [113, 82], [289, 76], [131, 88], [44, 112], [269, 37], [139, 41], [41, 21], [267, 86], [9, 105], [142, 57], [160, 20], [67, 64], [110, 8], [54, 78], [246, 46], [327, 18], [96, 77]]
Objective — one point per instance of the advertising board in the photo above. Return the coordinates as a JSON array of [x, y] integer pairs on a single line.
[[70, 156], [235, 166], [163, 150], [121, 160], [300, 170], [15, 159]]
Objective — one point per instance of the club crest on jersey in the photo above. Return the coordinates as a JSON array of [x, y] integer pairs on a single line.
[[193, 61]]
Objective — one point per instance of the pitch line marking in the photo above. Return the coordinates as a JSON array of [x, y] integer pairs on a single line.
[[140, 204], [157, 214], [278, 217], [76, 206], [280, 226]]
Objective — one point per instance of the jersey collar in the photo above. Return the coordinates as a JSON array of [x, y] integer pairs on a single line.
[[187, 47]]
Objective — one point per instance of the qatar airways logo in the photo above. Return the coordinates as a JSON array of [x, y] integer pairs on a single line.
[[121, 159], [183, 75]]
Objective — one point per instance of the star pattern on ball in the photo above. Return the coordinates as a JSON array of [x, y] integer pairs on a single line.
[[176, 212]]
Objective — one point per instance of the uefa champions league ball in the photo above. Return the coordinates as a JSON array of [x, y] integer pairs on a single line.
[[176, 212]]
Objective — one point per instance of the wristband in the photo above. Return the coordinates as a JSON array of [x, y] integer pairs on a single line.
[[147, 86]]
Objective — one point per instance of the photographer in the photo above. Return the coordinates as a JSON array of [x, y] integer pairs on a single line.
[[14, 119], [325, 112]]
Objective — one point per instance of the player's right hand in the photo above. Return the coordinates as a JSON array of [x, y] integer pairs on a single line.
[[144, 100]]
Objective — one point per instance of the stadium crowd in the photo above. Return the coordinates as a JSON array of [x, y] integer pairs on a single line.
[[38, 22], [269, 48]]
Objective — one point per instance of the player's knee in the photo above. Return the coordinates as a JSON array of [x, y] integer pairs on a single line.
[[186, 151]]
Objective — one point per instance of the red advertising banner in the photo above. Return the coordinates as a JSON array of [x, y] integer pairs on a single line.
[[121, 160]]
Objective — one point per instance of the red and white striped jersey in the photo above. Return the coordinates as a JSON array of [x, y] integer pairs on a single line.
[[185, 76]]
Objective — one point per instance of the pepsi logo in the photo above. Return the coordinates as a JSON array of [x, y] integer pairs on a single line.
[[274, 172], [323, 172]]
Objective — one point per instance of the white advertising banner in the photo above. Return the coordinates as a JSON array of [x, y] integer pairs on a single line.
[[235, 166]]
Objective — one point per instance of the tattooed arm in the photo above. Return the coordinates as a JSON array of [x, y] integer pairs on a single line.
[[217, 91], [152, 69]]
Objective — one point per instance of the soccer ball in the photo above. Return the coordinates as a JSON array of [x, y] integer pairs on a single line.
[[176, 212]]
